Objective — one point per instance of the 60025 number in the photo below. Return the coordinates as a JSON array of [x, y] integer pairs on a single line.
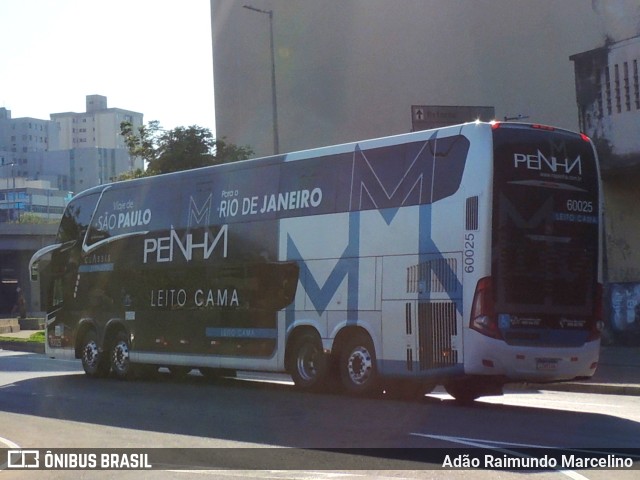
[[583, 206], [469, 252]]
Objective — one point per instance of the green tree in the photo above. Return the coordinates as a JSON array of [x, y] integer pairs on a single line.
[[182, 148], [141, 142]]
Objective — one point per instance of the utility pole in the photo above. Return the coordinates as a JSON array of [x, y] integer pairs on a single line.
[[274, 100]]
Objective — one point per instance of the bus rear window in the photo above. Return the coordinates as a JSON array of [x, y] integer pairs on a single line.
[[545, 221]]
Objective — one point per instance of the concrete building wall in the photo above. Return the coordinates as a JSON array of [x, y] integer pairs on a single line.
[[608, 97], [624, 122], [351, 69], [622, 227], [348, 70], [81, 168], [17, 244]]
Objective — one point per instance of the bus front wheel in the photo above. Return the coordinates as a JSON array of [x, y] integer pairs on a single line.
[[94, 362], [358, 370], [120, 360]]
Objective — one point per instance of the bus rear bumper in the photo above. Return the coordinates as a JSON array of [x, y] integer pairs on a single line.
[[488, 356]]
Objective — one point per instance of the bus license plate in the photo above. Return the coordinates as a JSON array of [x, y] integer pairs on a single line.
[[547, 364]]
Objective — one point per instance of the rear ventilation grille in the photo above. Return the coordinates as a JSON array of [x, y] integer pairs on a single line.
[[437, 325], [471, 220]]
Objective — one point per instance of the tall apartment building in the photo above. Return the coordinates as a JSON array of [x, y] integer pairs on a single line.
[[71, 152], [20, 139], [98, 127], [78, 169], [91, 150], [21, 136]]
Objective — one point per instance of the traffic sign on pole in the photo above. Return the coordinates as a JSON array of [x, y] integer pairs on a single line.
[[425, 117]]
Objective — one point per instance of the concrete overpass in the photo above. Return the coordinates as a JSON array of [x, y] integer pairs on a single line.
[[18, 242]]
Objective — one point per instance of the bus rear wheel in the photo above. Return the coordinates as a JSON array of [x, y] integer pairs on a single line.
[[120, 357], [94, 362], [358, 370], [307, 362]]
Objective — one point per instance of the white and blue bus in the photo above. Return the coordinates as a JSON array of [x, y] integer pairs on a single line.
[[467, 256]]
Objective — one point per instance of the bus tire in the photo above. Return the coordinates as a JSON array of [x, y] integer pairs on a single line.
[[307, 362], [94, 362], [358, 370], [120, 357]]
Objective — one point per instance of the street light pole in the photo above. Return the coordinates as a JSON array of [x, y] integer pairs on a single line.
[[274, 100]]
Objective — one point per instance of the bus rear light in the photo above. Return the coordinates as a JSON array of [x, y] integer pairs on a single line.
[[542, 127], [585, 137], [483, 318]]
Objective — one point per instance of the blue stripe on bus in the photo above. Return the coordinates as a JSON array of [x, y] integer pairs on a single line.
[[347, 266], [99, 267], [427, 247], [269, 333]]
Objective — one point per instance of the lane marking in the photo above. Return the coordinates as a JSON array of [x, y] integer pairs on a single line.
[[11, 445], [273, 474]]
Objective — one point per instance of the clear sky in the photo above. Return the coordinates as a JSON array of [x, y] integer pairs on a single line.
[[149, 56]]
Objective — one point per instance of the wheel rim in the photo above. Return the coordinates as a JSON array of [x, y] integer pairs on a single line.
[[90, 355], [306, 363], [360, 366], [121, 356]]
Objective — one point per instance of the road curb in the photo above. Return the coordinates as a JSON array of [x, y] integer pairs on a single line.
[[29, 347]]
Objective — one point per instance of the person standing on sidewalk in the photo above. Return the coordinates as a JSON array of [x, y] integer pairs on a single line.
[[20, 307]]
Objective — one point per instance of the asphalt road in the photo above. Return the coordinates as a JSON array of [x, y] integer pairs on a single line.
[[50, 404]]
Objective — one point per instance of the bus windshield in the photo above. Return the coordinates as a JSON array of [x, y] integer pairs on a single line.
[[545, 225]]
